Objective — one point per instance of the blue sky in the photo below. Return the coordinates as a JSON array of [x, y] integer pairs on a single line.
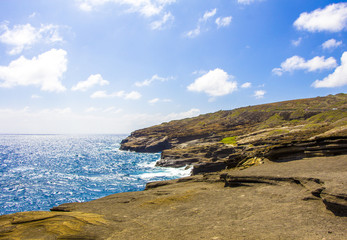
[[114, 66]]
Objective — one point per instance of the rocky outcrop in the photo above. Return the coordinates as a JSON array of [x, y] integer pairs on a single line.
[[320, 147], [267, 201], [145, 144], [277, 131]]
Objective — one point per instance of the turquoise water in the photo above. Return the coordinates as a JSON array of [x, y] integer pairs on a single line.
[[38, 172]]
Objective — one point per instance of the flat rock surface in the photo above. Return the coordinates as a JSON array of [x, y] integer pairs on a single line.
[[270, 201]]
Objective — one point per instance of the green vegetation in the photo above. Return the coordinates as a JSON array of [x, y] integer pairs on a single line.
[[273, 121], [299, 113], [229, 140], [328, 116]]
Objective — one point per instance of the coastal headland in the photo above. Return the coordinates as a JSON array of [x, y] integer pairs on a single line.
[[272, 171]]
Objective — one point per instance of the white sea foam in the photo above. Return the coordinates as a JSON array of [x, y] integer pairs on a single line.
[[160, 172], [147, 164]]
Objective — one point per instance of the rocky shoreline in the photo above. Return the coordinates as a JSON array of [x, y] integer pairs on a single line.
[[274, 171], [299, 199]]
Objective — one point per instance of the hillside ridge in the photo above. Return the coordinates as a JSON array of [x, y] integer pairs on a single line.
[[246, 136]]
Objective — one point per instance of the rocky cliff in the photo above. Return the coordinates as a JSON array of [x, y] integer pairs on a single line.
[[247, 136]]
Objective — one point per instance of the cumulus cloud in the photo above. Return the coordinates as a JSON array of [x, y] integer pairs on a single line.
[[332, 18], [160, 24], [336, 79], [148, 82], [24, 36], [44, 71], [121, 94], [147, 8], [299, 63], [214, 83], [331, 43], [223, 22], [92, 80], [259, 94], [246, 85]]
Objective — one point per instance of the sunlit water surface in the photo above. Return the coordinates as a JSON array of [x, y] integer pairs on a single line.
[[38, 172]]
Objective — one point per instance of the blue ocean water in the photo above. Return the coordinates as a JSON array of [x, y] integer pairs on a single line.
[[38, 172]]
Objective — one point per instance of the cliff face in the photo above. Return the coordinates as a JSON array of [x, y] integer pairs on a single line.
[[246, 136]]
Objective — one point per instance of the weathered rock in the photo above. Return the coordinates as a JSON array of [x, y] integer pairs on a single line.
[[320, 147], [207, 167], [299, 199], [276, 131], [145, 144]]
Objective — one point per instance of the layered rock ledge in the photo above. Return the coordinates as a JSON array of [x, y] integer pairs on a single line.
[[299, 199]]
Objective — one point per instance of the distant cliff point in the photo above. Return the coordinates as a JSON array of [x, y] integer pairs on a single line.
[[249, 135]]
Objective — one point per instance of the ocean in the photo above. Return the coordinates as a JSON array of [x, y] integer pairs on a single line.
[[38, 172]]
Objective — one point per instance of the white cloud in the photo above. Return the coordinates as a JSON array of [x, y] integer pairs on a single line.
[[154, 100], [196, 32], [193, 33], [223, 22], [247, 2], [131, 96], [246, 85], [208, 14], [44, 71], [160, 24], [91, 109], [147, 8], [33, 15], [155, 77], [92, 80], [297, 42], [336, 79], [331, 43], [121, 94], [24, 36], [214, 83], [199, 72], [259, 94], [34, 96], [299, 63], [101, 94], [333, 18], [112, 110], [188, 114]]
